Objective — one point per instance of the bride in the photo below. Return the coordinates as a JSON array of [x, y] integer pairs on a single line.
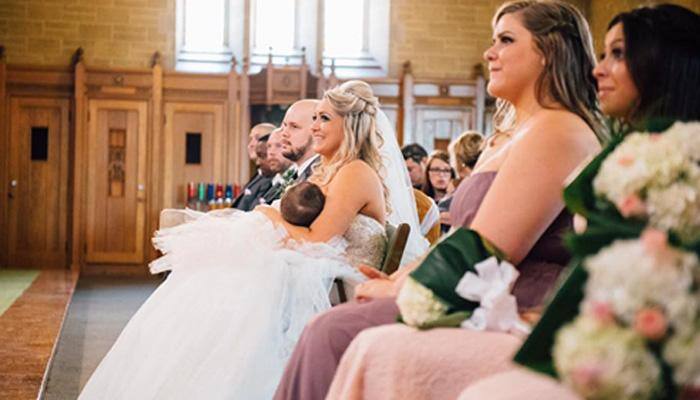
[[243, 285]]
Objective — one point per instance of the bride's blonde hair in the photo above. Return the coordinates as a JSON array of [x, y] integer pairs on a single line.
[[356, 103]]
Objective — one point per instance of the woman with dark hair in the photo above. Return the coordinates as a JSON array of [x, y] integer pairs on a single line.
[[438, 174], [650, 69], [657, 49], [540, 69]]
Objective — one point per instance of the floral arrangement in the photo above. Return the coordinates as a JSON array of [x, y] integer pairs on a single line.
[[641, 304], [626, 322], [656, 177], [461, 282]]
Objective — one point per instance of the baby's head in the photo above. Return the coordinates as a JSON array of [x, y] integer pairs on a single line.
[[302, 203]]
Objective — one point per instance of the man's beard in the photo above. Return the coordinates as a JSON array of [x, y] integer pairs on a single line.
[[277, 167], [295, 154]]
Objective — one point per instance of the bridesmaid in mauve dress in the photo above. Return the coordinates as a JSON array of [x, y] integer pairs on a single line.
[[514, 201], [439, 362]]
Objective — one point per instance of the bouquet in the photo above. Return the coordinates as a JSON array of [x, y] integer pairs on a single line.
[[463, 281], [625, 324]]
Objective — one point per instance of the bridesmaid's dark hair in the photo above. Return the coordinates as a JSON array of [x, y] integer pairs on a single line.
[[662, 51]]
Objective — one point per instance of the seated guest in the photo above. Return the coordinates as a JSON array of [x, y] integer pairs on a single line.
[[254, 136], [428, 215], [261, 183], [540, 60], [464, 152], [256, 132], [438, 174], [295, 146], [297, 143], [302, 203], [415, 157], [284, 168], [638, 73]]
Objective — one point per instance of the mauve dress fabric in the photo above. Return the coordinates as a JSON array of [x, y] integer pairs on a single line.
[[312, 366]]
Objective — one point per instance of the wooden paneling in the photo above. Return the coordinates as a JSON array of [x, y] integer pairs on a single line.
[[116, 182], [4, 151], [155, 109], [38, 191], [206, 119]]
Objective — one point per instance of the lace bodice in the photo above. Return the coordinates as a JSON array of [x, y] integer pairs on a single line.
[[366, 241]]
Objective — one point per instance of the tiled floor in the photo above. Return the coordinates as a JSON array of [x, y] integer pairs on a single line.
[[28, 332]]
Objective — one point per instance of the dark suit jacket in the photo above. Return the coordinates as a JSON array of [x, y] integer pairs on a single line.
[[252, 193], [306, 173]]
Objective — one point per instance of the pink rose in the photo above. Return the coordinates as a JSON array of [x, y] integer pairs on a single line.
[[655, 243], [632, 205], [625, 160], [651, 323], [601, 312], [587, 376]]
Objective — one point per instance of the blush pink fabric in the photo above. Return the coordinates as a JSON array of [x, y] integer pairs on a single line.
[[399, 362], [518, 384]]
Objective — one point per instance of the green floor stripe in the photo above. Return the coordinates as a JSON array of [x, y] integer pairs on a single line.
[[13, 282]]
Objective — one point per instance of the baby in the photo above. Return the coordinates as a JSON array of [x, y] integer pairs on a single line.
[[302, 203]]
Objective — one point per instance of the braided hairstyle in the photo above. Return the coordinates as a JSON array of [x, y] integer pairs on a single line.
[[562, 36], [356, 103]]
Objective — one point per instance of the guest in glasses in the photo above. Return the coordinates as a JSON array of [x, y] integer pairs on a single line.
[[415, 157], [438, 175]]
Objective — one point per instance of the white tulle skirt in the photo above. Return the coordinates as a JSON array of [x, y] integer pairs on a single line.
[[224, 322]]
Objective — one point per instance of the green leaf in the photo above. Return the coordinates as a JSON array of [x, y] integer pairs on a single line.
[[448, 261], [536, 352], [578, 195]]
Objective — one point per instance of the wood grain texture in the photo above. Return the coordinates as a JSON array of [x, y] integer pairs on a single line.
[[181, 118], [37, 233], [29, 330]]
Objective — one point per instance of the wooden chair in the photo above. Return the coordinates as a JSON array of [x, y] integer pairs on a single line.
[[397, 236]]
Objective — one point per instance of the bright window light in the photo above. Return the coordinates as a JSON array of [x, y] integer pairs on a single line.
[[274, 25], [344, 27], [204, 25]]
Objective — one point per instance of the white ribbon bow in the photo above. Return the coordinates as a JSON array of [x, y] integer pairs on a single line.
[[491, 286]]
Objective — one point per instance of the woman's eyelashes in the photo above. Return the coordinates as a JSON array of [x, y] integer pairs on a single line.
[[323, 117], [505, 39], [617, 53]]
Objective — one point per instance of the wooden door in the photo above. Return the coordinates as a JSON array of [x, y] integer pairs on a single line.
[[38, 194], [116, 183], [194, 148]]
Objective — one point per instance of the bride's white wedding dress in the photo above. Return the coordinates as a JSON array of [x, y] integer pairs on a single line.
[[224, 322]]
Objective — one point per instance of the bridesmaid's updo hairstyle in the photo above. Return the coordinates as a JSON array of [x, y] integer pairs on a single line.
[[356, 103]]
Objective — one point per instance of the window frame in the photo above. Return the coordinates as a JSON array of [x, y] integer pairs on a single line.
[[193, 60]]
